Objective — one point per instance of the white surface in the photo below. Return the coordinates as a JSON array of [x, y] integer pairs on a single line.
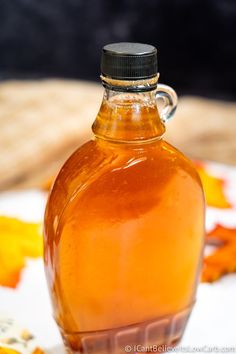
[[29, 304], [213, 321]]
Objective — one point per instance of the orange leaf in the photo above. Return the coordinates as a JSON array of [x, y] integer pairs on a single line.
[[223, 259], [18, 240], [213, 188], [37, 351]]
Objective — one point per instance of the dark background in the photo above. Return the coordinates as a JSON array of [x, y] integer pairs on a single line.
[[63, 38]]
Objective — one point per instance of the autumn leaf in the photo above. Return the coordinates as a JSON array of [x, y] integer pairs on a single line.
[[213, 188], [46, 186], [223, 259], [12, 351], [8, 351], [18, 240], [37, 351]]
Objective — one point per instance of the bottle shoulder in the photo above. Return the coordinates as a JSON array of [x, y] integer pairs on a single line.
[[118, 170], [96, 158], [183, 160]]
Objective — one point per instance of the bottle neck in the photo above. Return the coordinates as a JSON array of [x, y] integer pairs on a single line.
[[129, 112]]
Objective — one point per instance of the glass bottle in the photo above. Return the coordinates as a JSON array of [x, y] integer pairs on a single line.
[[124, 223]]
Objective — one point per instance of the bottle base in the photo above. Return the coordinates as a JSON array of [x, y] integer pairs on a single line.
[[147, 337]]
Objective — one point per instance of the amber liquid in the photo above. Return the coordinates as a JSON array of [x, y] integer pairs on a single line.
[[123, 239]]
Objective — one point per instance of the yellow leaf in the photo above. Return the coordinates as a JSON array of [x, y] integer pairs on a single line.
[[18, 240], [8, 351], [4, 350], [214, 189]]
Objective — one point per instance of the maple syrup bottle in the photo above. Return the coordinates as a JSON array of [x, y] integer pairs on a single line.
[[124, 223]]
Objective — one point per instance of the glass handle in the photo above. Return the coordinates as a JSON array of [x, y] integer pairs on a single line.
[[168, 101]]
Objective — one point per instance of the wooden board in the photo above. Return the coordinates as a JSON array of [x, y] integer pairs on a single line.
[[42, 122]]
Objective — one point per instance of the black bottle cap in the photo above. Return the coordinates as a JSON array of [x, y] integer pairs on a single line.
[[129, 61]]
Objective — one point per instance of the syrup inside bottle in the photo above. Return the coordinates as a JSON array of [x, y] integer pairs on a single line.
[[124, 233]]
